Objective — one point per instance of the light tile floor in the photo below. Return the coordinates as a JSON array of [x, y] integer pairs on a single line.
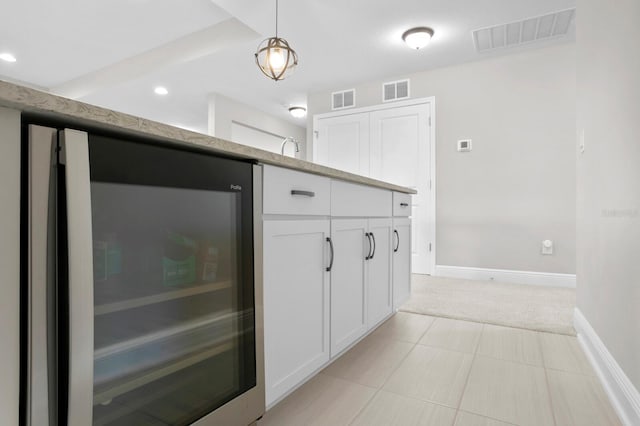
[[417, 370]]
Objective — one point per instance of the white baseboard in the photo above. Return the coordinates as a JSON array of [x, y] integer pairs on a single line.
[[505, 275], [624, 397]]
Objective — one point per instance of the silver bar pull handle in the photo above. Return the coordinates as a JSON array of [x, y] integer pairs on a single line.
[[41, 402], [75, 156], [404, 205], [303, 193]]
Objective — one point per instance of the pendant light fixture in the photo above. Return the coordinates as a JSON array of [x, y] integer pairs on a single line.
[[275, 57]]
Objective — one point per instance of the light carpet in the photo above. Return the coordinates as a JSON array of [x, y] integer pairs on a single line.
[[537, 308]]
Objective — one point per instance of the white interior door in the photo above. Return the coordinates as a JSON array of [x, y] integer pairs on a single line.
[[400, 154], [343, 143]]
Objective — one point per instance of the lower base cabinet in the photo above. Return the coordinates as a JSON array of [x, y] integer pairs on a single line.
[[379, 286], [401, 261], [348, 282], [296, 302], [361, 291]]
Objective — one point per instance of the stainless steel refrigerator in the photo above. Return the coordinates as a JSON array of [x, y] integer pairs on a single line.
[[141, 301]]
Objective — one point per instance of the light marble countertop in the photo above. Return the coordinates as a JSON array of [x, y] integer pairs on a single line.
[[74, 113]]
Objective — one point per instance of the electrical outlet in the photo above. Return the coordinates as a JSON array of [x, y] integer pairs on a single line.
[[547, 247]]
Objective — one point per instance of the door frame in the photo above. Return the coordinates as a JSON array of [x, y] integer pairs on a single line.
[[431, 100]]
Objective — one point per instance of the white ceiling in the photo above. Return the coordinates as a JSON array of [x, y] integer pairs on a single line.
[[113, 53]]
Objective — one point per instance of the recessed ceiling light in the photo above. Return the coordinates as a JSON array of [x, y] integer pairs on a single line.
[[7, 57], [298, 111], [161, 91], [417, 38]]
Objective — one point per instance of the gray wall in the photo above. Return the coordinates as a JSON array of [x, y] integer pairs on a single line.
[[608, 209], [516, 188], [9, 265]]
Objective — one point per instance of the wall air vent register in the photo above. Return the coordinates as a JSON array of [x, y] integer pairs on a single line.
[[344, 99], [395, 90]]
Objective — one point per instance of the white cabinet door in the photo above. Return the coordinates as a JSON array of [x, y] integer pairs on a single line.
[[343, 143], [296, 302], [400, 154], [348, 282], [401, 261], [379, 289]]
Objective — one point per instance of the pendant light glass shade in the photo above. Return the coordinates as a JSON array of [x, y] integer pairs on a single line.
[[275, 57]]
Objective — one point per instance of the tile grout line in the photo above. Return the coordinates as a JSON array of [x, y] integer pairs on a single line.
[[487, 417], [546, 379], [466, 382], [389, 376]]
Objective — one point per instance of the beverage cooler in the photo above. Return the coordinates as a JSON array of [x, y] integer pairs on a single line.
[[140, 303]]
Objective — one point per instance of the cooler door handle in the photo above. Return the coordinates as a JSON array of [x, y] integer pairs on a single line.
[[74, 155], [41, 361]]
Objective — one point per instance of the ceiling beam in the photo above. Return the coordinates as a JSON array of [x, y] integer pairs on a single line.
[[223, 35]]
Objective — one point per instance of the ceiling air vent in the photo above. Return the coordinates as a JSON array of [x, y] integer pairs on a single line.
[[395, 90], [344, 99], [552, 25]]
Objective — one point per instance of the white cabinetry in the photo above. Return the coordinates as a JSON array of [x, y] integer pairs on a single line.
[[402, 248], [348, 282], [397, 148], [380, 295], [361, 289], [314, 312], [296, 255], [401, 261]]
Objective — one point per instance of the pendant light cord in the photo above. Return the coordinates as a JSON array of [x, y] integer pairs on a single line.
[[276, 18]]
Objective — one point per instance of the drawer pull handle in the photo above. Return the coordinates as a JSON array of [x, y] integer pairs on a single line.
[[404, 205], [304, 193]]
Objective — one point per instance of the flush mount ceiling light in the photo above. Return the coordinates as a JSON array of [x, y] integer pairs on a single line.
[[275, 57], [161, 91], [298, 111], [417, 38], [8, 57]]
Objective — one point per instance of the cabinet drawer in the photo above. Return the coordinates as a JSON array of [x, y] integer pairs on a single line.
[[348, 199], [401, 204], [297, 193]]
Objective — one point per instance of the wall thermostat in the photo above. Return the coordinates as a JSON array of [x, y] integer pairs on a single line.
[[464, 145]]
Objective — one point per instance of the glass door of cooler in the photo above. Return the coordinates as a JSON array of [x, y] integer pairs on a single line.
[[173, 294]]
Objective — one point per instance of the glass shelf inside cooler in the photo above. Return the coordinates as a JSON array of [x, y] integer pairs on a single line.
[[108, 308], [128, 365]]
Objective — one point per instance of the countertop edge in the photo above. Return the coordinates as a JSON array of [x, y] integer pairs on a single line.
[[46, 105]]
